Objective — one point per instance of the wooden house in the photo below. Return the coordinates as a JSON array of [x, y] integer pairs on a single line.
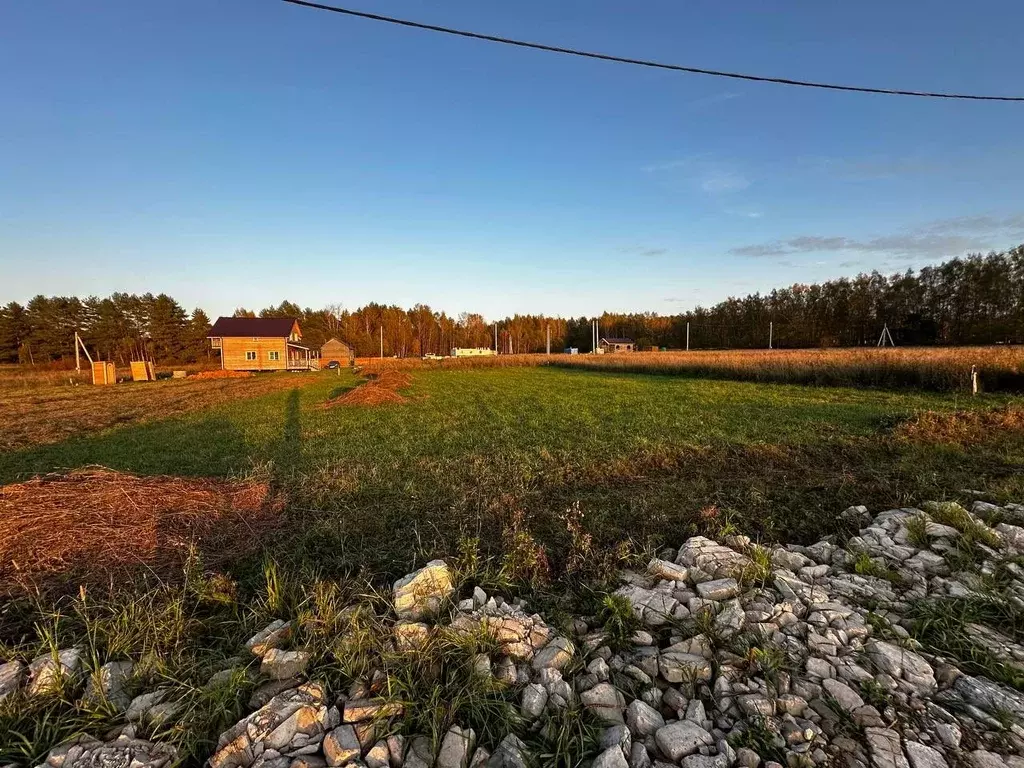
[[260, 344], [617, 345], [335, 350]]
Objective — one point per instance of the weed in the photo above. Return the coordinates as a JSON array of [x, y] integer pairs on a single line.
[[917, 527], [874, 694], [581, 544], [525, 559], [760, 569], [865, 565], [759, 737], [973, 532], [949, 626], [763, 656], [440, 685], [619, 620], [570, 738], [881, 627]]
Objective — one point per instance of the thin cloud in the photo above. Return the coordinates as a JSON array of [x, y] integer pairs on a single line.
[[642, 250], [717, 181], [717, 98], [714, 176], [667, 166], [978, 224], [940, 238], [927, 161]]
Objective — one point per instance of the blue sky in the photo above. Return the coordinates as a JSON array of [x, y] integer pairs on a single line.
[[239, 152]]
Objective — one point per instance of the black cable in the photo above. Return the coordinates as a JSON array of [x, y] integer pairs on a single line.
[[645, 63]]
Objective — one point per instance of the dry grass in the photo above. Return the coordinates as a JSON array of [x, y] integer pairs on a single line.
[[376, 364], [25, 378], [942, 369], [96, 523], [47, 412], [381, 389], [223, 375], [963, 428]]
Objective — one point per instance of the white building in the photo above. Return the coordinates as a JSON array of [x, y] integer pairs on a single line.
[[472, 351]]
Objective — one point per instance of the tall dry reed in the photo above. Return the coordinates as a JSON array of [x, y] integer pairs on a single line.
[[942, 369]]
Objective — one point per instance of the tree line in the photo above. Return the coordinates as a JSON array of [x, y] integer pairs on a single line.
[[978, 299]]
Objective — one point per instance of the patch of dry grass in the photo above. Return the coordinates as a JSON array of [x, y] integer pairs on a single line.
[[378, 364], [963, 427], [45, 409], [940, 369], [96, 524]]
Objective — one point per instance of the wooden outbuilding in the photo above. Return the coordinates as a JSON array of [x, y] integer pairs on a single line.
[[260, 344], [618, 345], [338, 351]]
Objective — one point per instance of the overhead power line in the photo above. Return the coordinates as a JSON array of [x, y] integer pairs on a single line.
[[645, 62]]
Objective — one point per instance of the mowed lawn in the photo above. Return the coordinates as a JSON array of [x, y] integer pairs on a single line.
[[647, 457]]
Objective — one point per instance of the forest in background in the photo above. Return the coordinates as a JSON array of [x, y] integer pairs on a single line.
[[978, 299]]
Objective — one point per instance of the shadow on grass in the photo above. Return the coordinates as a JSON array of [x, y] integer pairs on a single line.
[[287, 453], [204, 447]]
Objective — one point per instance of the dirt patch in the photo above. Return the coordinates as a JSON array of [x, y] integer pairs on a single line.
[[222, 375], [962, 427], [380, 389], [96, 524]]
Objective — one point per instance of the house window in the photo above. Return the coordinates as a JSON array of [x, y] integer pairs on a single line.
[[273, 355], [251, 355]]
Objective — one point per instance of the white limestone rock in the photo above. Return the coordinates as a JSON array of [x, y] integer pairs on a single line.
[[419, 595]]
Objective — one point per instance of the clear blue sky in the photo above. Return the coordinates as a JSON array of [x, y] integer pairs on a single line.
[[238, 152]]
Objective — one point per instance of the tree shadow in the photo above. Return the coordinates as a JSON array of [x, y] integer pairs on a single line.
[[213, 446], [287, 453]]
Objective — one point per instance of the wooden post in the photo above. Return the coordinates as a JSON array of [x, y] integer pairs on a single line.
[[974, 380]]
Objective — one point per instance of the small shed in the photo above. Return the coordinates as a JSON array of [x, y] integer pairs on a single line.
[[618, 345], [336, 350]]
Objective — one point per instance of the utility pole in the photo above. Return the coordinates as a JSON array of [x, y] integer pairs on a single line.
[[495, 338], [549, 338], [687, 335], [771, 328], [78, 362]]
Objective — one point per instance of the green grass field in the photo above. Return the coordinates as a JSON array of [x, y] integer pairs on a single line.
[[537, 482], [484, 453]]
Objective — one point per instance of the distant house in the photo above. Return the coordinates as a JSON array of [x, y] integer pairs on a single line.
[[260, 344], [617, 345], [472, 351], [335, 350]]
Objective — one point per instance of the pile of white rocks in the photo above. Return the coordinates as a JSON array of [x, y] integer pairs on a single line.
[[794, 656]]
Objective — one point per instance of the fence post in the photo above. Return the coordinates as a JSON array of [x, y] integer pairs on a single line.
[[974, 380]]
